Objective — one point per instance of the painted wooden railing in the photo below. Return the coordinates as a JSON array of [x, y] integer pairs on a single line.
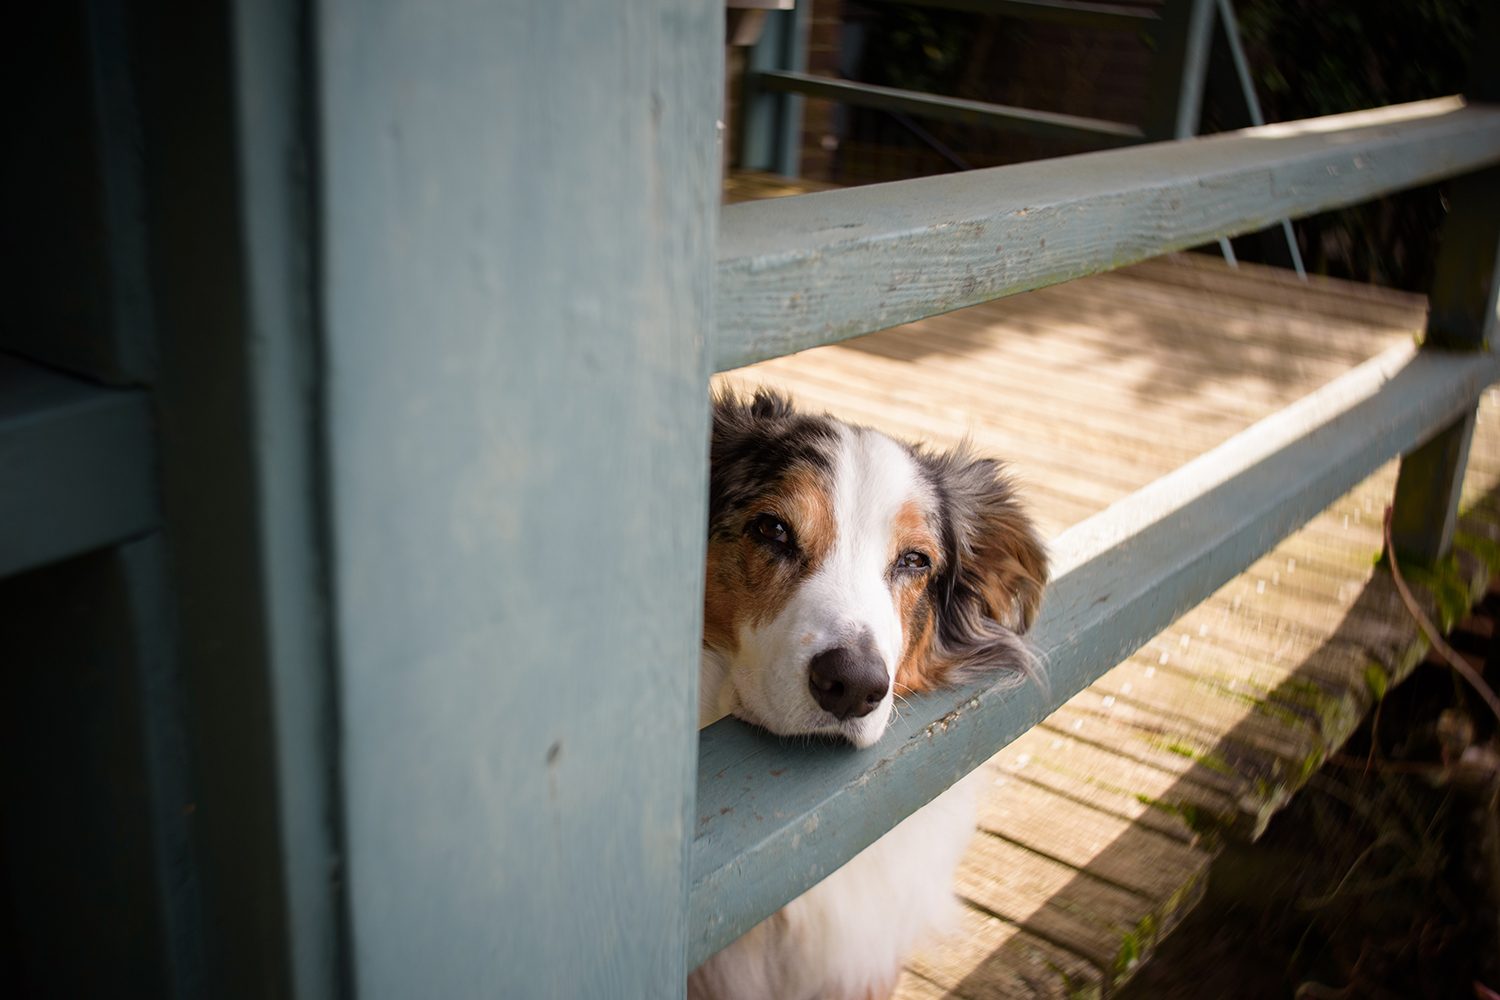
[[796, 273], [381, 444]]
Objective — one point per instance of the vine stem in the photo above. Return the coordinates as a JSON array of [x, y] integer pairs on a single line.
[[1446, 651]]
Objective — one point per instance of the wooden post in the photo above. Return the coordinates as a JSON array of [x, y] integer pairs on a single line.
[[1427, 493], [1461, 317], [519, 206], [1464, 286], [771, 129]]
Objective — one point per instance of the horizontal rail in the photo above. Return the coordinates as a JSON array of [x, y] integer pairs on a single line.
[[1095, 15], [77, 466], [953, 109], [814, 269], [774, 818]]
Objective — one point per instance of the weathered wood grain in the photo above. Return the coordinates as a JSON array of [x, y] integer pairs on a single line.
[[815, 269], [992, 959], [1049, 899], [1103, 780], [1112, 928], [1137, 858]]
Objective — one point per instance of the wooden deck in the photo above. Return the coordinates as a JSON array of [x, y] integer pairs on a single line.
[[1101, 823]]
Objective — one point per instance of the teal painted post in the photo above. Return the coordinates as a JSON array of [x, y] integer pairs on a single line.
[[519, 204], [771, 130], [1461, 317], [228, 113], [1427, 493], [1465, 284], [273, 108]]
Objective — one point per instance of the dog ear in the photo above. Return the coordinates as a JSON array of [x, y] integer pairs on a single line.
[[754, 441], [1003, 560], [996, 569]]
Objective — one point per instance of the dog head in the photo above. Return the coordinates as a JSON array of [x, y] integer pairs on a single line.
[[846, 568]]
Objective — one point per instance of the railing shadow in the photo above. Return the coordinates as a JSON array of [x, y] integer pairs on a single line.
[[1327, 710]]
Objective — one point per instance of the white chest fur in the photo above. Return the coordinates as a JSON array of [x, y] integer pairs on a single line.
[[844, 939]]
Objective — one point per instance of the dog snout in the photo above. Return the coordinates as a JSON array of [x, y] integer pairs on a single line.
[[848, 681]]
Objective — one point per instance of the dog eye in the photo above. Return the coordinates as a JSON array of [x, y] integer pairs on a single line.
[[773, 529], [913, 560]]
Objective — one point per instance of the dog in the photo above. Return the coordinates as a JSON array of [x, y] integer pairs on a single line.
[[846, 569]]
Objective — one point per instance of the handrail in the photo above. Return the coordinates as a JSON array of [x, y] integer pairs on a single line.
[[952, 109], [1120, 578], [815, 269]]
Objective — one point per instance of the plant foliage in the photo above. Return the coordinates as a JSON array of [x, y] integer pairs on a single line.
[[1320, 57]]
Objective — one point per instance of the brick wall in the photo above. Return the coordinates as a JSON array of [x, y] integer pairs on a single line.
[[819, 121]]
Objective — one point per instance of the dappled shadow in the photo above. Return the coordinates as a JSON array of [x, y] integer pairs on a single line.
[[1326, 709], [1168, 327]]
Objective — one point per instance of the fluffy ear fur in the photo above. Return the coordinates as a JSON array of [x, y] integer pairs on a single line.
[[754, 442], [996, 567]]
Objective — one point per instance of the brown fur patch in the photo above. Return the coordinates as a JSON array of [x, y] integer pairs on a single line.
[[909, 530], [917, 670], [747, 582], [1012, 568]]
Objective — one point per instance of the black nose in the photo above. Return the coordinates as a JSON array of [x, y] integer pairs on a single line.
[[849, 680]]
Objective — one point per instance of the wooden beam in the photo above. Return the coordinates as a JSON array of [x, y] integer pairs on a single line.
[[798, 272], [774, 818], [953, 109], [77, 466]]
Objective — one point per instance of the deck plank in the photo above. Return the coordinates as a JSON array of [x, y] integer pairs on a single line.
[[1107, 781], [992, 959], [1054, 901], [1139, 860]]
